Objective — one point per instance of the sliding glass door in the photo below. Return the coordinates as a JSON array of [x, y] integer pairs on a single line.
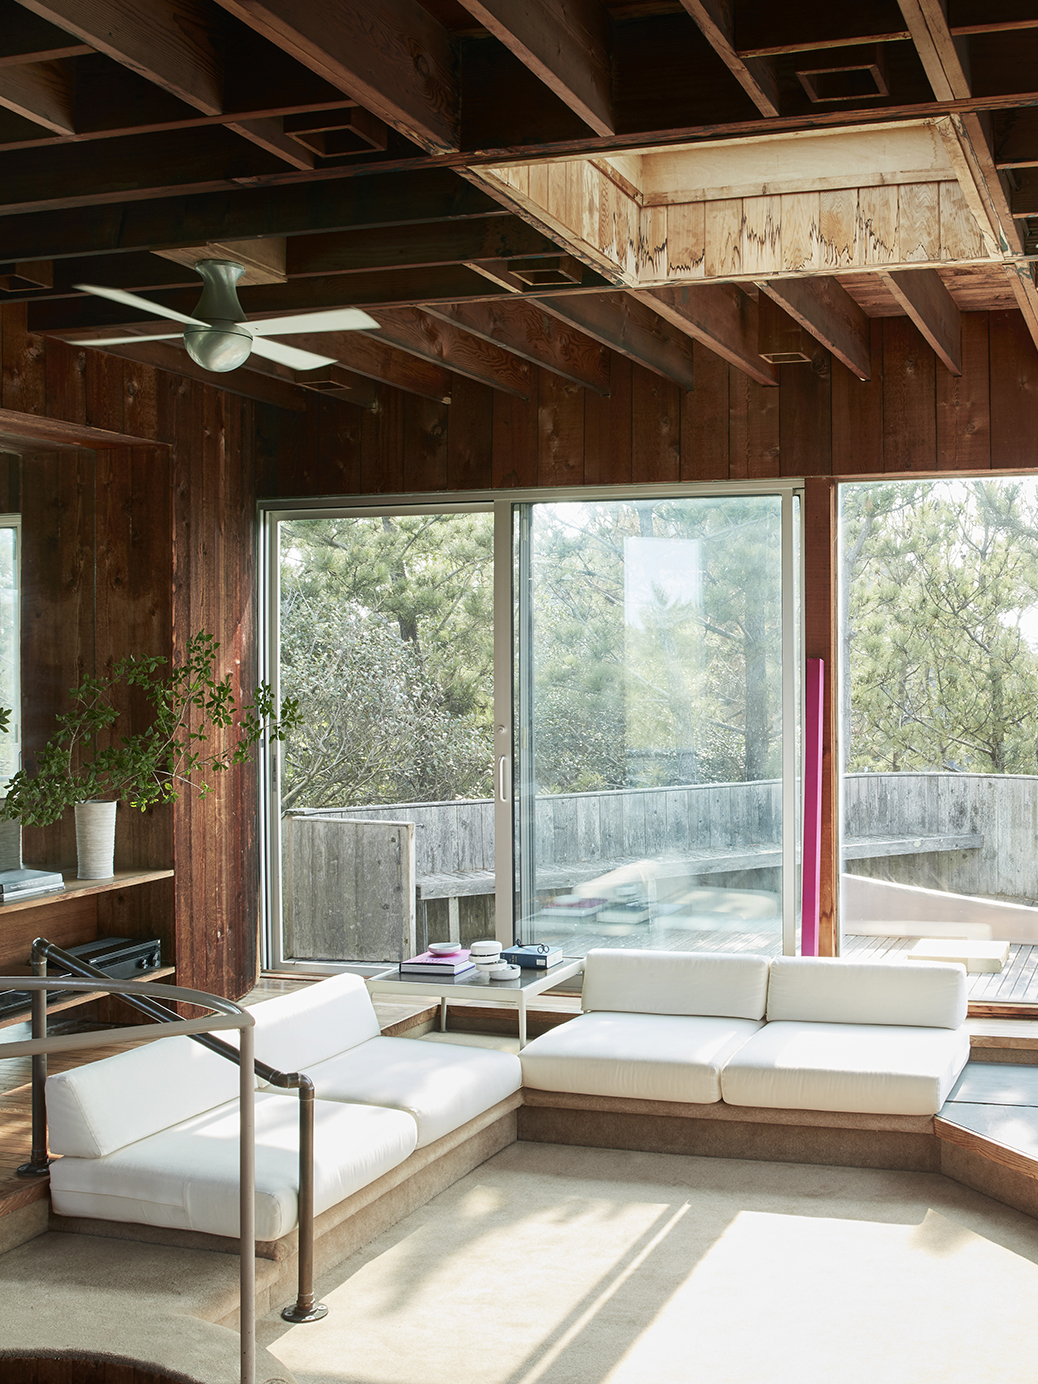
[[653, 653], [572, 720]]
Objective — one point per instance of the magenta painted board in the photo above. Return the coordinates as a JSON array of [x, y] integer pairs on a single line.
[[814, 692]]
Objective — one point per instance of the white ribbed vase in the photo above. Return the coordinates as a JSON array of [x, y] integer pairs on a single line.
[[95, 839]]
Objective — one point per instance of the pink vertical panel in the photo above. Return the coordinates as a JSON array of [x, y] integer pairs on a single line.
[[814, 691]]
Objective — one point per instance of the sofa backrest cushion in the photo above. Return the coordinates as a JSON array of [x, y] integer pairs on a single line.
[[826, 990], [309, 1025], [103, 1106], [656, 982]]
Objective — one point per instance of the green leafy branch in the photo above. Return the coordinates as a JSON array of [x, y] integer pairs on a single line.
[[175, 752]]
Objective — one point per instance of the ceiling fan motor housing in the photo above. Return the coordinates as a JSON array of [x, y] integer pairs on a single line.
[[227, 342]]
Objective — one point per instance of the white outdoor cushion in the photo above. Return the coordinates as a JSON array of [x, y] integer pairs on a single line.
[[296, 1030], [880, 1069], [830, 991], [101, 1106], [651, 1056], [187, 1177], [442, 1085], [654, 982]]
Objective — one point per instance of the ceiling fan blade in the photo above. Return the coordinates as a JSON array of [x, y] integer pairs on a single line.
[[335, 320], [118, 295], [124, 340], [291, 356]]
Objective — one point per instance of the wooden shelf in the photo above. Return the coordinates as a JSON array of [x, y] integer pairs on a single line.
[[80, 888], [73, 1001]]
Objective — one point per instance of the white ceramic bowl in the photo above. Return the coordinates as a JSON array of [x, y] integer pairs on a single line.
[[488, 949], [505, 971], [444, 948]]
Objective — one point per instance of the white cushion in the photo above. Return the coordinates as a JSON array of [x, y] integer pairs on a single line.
[[881, 1069], [188, 1177], [101, 1106], [296, 1030], [825, 990], [442, 1085], [651, 1056], [655, 982]]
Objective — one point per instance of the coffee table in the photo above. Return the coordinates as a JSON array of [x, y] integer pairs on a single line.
[[473, 987]]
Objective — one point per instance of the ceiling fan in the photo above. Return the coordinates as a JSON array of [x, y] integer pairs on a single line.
[[218, 337]]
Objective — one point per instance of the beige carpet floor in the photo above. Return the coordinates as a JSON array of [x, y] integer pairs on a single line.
[[559, 1265]]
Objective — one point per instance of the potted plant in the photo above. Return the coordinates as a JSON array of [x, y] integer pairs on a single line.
[[175, 752]]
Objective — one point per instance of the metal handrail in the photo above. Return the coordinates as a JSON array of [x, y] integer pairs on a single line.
[[228, 1016], [305, 1308]]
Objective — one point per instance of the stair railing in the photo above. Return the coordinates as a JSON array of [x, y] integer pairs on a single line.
[[305, 1308], [228, 1015]]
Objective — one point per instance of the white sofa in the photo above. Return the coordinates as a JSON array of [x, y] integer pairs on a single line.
[[798, 1033], [151, 1135]]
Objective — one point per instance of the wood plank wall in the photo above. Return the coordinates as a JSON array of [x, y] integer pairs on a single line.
[[174, 553], [180, 531]]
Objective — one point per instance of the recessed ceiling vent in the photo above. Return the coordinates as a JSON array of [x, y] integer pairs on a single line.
[[860, 77]]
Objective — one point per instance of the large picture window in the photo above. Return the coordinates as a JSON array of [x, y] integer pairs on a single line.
[[939, 725]]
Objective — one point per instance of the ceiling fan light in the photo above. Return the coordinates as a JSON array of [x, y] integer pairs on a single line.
[[220, 347]]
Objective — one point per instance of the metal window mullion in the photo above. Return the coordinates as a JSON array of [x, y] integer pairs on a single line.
[[504, 868], [790, 716]]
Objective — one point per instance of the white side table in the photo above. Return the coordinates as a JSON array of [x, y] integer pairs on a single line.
[[470, 986]]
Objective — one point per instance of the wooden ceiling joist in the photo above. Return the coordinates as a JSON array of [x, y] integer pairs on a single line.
[[169, 42], [442, 343], [42, 92], [922, 294], [269, 133], [757, 76], [406, 247], [377, 360], [566, 46], [392, 199], [394, 58], [629, 328], [824, 308], [722, 317], [526, 330], [944, 57]]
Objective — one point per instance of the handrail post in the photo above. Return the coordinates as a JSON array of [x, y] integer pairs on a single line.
[[305, 1309], [38, 1162]]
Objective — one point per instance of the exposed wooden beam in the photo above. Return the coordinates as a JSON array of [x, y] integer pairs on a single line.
[[781, 340], [254, 381], [269, 134], [945, 58], [1022, 281], [566, 45], [377, 360], [757, 76], [339, 383], [389, 200], [169, 42], [25, 37], [407, 247], [626, 326], [824, 308], [720, 316], [42, 92], [413, 331], [393, 58], [922, 294], [535, 335]]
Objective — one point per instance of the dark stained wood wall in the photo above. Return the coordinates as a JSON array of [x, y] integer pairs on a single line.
[[179, 521]]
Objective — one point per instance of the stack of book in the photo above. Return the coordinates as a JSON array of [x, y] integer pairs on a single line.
[[431, 964], [25, 884], [535, 956]]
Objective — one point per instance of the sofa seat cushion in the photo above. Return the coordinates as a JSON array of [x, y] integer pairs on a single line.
[[879, 1069], [652, 1056], [442, 1085], [187, 1176]]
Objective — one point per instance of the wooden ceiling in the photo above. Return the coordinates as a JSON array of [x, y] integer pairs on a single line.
[[507, 182]]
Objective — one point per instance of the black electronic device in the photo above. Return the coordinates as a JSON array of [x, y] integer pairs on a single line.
[[121, 958]]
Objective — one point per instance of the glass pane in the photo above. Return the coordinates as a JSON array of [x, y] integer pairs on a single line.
[[387, 642], [939, 725], [10, 695], [648, 797]]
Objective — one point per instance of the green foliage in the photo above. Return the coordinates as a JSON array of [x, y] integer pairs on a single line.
[[387, 645], [941, 595], [81, 761], [5, 718]]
